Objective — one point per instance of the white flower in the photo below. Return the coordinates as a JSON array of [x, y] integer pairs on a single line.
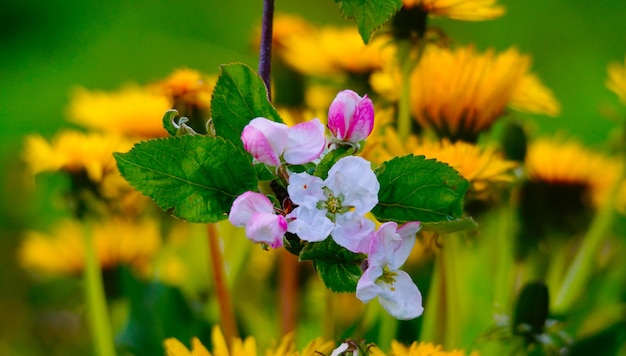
[[396, 292], [268, 141], [256, 212], [335, 206]]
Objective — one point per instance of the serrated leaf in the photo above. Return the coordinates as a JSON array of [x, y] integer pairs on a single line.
[[338, 277], [197, 178], [239, 96], [329, 251], [413, 188], [369, 15], [446, 227]]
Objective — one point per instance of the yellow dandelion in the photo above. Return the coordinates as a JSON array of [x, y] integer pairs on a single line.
[[187, 86], [247, 347], [285, 27], [481, 166], [616, 81], [132, 111], [424, 349], [569, 163], [330, 51], [74, 152], [117, 242], [460, 93], [467, 10]]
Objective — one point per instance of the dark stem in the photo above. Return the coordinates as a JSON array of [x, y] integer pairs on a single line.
[[265, 55]]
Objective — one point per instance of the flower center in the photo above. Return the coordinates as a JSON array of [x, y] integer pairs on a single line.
[[388, 276], [332, 204]]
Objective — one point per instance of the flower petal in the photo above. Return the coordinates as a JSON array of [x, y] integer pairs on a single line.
[[366, 287], [401, 299], [310, 224], [353, 232], [391, 245], [305, 142], [305, 189], [246, 205], [267, 228], [265, 140], [353, 177], [340, 113]]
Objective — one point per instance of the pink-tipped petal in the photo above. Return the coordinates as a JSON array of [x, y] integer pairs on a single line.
[[265, 140], [305, 142], [363, 121], [246, 205], [267, 228], [351, 117]]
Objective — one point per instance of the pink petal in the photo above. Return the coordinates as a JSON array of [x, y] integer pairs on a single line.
[[305, 142], [265, 140], [246, 205]]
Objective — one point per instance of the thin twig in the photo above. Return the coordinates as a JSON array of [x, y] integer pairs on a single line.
[[265, 55]]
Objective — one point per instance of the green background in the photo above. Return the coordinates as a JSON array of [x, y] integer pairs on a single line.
[[47, 48]]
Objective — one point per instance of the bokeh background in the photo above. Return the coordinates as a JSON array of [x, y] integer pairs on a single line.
[[49, 48]]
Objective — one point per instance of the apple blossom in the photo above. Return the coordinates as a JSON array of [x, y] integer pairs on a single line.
[[256, 212], [335, 206], [268, 141], [396, 292], [351, 117]]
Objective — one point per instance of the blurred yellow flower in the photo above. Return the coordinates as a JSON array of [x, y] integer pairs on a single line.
[[74, 151], [480, 166], [468, 10], [247, 347], [132, 111], [616, 81], [419, 349], [328, 51], [459, 93], [117, 242], [187, 86], [560, 162]]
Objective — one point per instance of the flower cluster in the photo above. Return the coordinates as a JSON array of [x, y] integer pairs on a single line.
[[330, 204]]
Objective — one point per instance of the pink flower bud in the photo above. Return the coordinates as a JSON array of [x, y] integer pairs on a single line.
[[265, 140], [256, 212], [350, 117]]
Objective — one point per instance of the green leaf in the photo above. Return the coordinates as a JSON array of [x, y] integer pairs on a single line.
[[168, 121], [369, 15], [330, 159], [239, 96], [413, 188], [329, 251], [446, 227], [197, 178], [338, 277]]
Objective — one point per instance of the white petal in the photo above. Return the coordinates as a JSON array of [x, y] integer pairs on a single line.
[[340, 349], [267, 228], [391, 246], [305, 142], [305, 189], [353, 177], [402, 299], [366, 287], [353, 232], [246, 205], [310, 224]]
